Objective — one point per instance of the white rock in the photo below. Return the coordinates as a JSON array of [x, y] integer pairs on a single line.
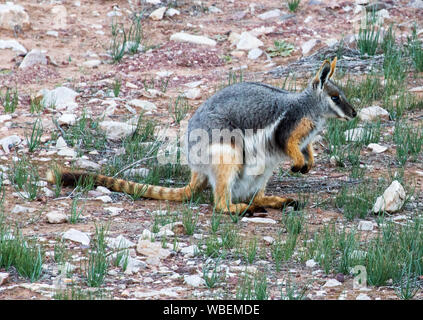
[[67, 119], [158, 13], [269, 239], [153, 1], [113, 211], [194, 84], [4, 277], [104, 199], [373, 113], [255, 53], [133, 265], [87, 164], [417, 4], [332, 283], [189, 251], [165, 233], [5, 117], [258, 220], [311, 263], [143, 104], [33, 57], [152, 249], [275, 13], [416, 89], [365, 225], [172, 12], [67, 152], [92, 63], [257, 32], [77, 236], [194, 281], [120, 242], [392, 199], [354, 134], [377, 148], [60, 16], [117, 130], [363, 296], [52, 33], [9, 142], [61, 143], [103, 190], [185, 37], [248, 42], [12, 44], [48, 192], [17, 209], [307, 46], [214, 9], [60, 98], [192, 94], [234, 38], [12, 15], [56, 217]]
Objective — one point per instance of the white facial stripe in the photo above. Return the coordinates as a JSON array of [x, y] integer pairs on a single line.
[[336, 109]]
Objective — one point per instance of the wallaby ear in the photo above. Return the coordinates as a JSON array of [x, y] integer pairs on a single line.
[[322, 75], [333, 67]]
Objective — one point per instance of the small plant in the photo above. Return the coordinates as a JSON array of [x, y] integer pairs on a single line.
[[212, 273], [10, 101], [253, 288], [407, 286], [25, 178], [116, 87], [293, 222], [36, 106], [415, 50], [281, 48], [118, 42], [16, 251], [75, 212], [97, 265], [215, 220], [34, 139], [179, 108], [293, 5], [290, 290], [58, 184], [368, 39], [189, 219], [60, 253], [250, 251]]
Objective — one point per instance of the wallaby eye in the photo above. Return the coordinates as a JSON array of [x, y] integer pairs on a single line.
[[335, 98]]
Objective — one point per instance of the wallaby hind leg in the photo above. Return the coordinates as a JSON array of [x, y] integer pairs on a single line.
[[274, 201], [224, 175], [198, 183]]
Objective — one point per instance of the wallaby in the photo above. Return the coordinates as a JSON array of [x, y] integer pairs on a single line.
[[237, 138]]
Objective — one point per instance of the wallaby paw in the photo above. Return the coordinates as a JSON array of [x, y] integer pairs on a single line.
[[296, 169], [293, 203], [305, 169]]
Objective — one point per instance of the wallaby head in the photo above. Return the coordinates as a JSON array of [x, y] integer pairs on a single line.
[[332, 99]]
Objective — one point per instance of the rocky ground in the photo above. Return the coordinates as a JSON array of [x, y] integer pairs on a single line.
[[57, 54]]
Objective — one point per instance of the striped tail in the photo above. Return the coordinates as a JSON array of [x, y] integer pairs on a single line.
[[72, 178]]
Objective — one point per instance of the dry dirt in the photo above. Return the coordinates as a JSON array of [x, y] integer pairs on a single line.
[[78, 39]]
